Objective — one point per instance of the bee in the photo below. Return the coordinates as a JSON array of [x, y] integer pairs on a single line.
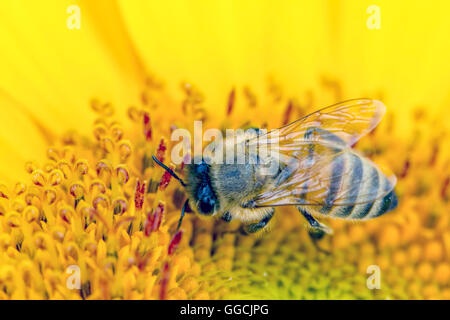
[[316, 170]]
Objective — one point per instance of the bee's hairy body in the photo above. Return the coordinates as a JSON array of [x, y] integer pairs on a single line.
[[231, 185], [236, 185], [320, 174]]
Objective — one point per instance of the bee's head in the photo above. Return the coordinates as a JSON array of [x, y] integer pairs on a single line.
[[200, 188]]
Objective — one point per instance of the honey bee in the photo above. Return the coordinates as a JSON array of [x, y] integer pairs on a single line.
[[317, 171]]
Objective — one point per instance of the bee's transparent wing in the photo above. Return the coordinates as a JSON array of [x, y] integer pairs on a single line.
[[348, 120], [328, 178], [314, 153]]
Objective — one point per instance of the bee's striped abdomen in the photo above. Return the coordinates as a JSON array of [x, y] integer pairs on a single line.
[[354, 183], [361, 211], [361, 181], [383, 204], [337, 168]]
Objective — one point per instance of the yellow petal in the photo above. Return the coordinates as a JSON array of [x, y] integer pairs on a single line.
[[52, 71]]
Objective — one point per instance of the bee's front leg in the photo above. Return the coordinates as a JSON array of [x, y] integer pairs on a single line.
[[255, 227]]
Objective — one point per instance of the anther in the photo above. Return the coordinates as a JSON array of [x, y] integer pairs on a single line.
[[49, 166], [13, 219], [120, 205], [250, 96], [231, 100], [18, 205], [147, 126], [405, 168], [56, 177], [165, 179], [288, 112], [100, 201], [97, 186], [65, 168], [117, 132], [30, 166], [82, 167], [165, 276], [103, 168], [107, 144], [122, 174], [161, 150], [434, 154], [95, 104], [38, 177], [31, 198], [108, 109], [66, 213], [53, 154], [154, 219], [77, 190], [31, 213], [173, 245], [49, 195], [125, 150], [133, 113], [139, 194], [19, 188], [4, 192], [100, 131]]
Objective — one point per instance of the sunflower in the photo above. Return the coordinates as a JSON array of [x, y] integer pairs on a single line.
[[86, 214]]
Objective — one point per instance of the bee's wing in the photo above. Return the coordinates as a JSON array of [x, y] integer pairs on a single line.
[[326, 178], [312, 153], [348, 120]]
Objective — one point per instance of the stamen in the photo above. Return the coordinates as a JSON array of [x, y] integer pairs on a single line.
[[165, 276], [169, 170], [250, 96], [231, 99], [162, 147], [165, 180], [405, 168], [434, 154], [173, 245], [139, 194], [153, 221], [288, 112], [147, 126]]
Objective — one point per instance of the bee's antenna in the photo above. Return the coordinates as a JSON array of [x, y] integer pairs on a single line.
[[173, 174], [186, 203]]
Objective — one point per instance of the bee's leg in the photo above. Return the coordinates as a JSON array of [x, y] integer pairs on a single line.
[[255, 227], [317, 231], [185, 206], [316, 225], [226, 217]]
